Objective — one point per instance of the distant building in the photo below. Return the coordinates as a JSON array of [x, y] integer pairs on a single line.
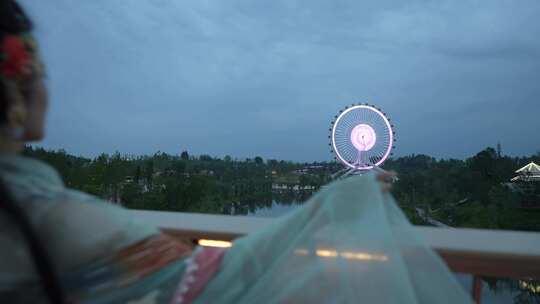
[[529, 173], [528, 182], [292, 187], [301, 171], [308, 169]]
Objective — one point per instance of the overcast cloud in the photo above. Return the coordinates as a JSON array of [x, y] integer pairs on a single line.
[[265, 78]]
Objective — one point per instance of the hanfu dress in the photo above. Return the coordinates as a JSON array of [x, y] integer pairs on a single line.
[[349, 243]]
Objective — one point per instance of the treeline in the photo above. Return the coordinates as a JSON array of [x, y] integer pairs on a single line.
[[461, 193], [183, 182], [467, 193]]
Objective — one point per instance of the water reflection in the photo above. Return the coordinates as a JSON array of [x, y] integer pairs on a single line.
[[274, 210], [269, 204]]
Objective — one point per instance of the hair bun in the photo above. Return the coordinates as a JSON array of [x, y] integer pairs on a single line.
[[13, 19]]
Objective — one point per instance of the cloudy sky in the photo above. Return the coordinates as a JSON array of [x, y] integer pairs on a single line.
[[265, 78]]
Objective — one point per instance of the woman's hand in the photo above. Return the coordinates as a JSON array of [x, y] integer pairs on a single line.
[[386, 178]]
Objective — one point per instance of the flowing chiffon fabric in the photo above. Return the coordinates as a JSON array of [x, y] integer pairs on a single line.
[[348, 244]]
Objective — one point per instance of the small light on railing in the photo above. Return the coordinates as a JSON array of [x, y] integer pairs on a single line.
[[214, 243], [326, 253], [352, 255]]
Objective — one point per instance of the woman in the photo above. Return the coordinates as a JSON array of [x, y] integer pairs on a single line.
[[349, 243]]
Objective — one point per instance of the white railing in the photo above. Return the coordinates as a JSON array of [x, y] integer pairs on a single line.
[[496, 253]]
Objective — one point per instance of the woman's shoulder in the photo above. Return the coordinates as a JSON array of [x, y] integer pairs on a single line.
[[21, 168], [73, 223], [29, 180], [38, 188]]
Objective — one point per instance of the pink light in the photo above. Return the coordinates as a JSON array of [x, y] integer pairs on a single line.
[[363, 137]]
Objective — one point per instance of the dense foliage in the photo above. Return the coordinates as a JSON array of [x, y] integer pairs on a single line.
[[183, 183], [466, 193]]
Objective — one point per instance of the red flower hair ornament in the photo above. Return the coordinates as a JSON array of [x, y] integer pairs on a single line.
[[15, 59]]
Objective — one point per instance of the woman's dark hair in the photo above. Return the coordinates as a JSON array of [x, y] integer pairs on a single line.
[[13, 21]]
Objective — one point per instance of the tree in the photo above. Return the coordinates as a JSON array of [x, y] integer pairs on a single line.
[[303, 180], [205, 157], [184, 155], [536, 157], [179, 167], [273, 163], [484, 162], [115, 174], [130, 194], [149, 172], [259, 160], [483, 167], [501, 196], [137, 174]]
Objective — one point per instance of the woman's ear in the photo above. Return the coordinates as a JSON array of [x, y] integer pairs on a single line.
[[16, 111], [16, 115]]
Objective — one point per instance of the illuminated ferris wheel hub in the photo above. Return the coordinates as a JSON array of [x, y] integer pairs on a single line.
[[362, 137]]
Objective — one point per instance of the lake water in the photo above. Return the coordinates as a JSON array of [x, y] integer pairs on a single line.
[[501, 295], [277, 209]]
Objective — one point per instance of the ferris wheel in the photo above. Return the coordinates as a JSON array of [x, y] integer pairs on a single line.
[[361, 137]]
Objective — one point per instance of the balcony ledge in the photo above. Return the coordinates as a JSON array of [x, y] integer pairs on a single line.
[[497, 253]]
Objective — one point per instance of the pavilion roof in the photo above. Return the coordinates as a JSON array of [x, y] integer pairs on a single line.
[[531, 168]]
